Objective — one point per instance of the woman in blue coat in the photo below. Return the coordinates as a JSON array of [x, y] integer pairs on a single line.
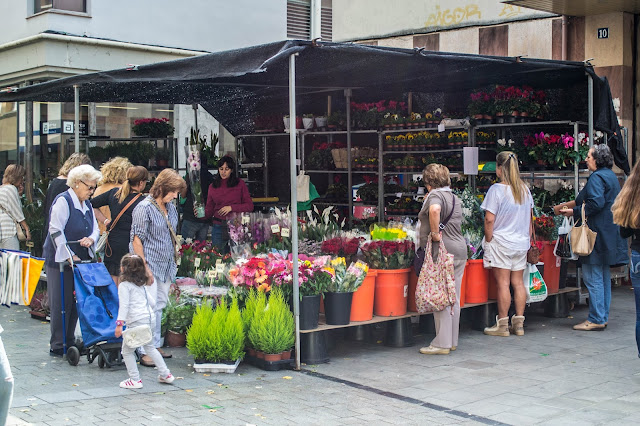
[[610, 249]]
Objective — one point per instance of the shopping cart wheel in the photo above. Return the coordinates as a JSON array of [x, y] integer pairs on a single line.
[[101, 361], [73, 355]]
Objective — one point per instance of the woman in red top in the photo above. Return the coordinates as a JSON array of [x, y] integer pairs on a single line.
[[227, 194]]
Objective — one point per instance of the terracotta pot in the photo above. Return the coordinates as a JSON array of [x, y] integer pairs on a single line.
[[251, 352], [552, 265], [285, 355], [362, 301], [477, 289], [175, 340], [272, 357], [260, 354], [392, 290]]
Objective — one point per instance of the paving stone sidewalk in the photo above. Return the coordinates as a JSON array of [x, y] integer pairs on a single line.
[[552, 375]]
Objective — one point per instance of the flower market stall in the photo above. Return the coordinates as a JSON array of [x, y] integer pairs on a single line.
[[239, 86]]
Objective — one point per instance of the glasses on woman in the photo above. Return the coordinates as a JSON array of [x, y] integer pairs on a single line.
[[90, 188]]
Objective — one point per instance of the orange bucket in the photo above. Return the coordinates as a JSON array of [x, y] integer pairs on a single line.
[[362, 302], [551, 267], [477, 288], [392, 289], [411, 298], [463, 287]]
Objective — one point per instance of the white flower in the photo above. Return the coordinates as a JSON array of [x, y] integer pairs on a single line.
[[511, 142], [188, 241], [387, 115], [502, 142], [438, 111]]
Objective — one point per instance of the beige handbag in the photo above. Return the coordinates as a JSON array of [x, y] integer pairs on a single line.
[[582, 238]]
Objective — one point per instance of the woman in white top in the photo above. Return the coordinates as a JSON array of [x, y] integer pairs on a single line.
[[10, 207], [507, 234]]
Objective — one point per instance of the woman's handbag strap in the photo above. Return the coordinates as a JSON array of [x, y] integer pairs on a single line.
[[113, 224]]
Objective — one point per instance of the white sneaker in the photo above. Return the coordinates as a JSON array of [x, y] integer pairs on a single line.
[[130, 384], [169, 379]]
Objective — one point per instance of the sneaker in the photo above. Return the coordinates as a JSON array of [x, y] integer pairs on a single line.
[[432, 350], [130, 384], [169, 379]]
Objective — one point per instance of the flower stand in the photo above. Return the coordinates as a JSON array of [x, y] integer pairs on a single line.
[[363, 297], [399, 333], [309, 312], [477, 289], [392, 290]]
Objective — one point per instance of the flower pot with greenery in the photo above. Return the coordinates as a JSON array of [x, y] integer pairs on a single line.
[[177, 318], [339, 293], [307, 121], [163, 155], [273, 328], [311, 291], [153, 127], [216, 338]]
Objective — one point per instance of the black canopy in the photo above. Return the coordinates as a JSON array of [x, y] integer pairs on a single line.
[[234, 86]]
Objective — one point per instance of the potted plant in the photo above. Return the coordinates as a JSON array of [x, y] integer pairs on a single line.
[[141, 152], [307, 121], [216, 338], [337, 121], [255, 301], [153, 127], [321, 121], [273, 329], [339, 293], [98, 155], [311, 291], [162, 157], [177, 318]]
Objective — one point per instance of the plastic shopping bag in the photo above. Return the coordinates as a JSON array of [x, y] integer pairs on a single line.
[[563, 245], [534, 284]]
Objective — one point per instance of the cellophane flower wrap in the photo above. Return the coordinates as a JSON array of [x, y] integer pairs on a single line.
[[345, 279], [194, 164], [239, 228]]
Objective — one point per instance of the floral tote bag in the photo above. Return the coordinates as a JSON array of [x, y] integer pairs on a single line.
[[436, 287]]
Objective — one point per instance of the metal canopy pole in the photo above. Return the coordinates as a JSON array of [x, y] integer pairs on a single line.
[[294, 199], [590, 104], [347, 94], [76, 100]]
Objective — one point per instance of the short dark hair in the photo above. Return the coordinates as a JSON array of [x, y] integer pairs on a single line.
[[133, 269], [602, 156]]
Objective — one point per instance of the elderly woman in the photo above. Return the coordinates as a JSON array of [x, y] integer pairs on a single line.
[[59, 185], [120, 203], [114, 173], [10, 208], [443, 207], [153, 237], [508, 210], [71, 219], [598, 196]]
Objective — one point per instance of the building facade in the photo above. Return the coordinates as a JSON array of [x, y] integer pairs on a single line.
[[603, 33]]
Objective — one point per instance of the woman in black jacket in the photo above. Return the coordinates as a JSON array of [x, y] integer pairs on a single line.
[[610, 249], [626, 213]]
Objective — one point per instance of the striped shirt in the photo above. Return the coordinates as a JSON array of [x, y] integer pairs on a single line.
[[149, 224], [11, 209]]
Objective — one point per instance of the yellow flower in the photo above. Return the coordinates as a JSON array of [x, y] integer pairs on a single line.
[[338, 261], [401, 137], [410, 137]]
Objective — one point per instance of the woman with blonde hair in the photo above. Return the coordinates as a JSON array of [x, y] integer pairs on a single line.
[[626, 214], [508, 210], [441, 218], [59, 185], [11, 214], [120, 203], [153, 238], [114, 173]]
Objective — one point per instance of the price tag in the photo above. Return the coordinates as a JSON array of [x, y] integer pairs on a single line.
[[275, 228], [211, 274], [196, 262], [406, 290], [218, 261], [179, 261], [285, 232], [440, 127], [246, 220], [220, 268]]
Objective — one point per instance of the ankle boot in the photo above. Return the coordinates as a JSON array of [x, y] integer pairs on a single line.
[[500, 329], [517, 325]]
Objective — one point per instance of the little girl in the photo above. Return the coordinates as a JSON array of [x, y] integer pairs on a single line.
[[137, 304]]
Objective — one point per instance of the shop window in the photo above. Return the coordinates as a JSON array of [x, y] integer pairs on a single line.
[[70, 5], [299, 19]]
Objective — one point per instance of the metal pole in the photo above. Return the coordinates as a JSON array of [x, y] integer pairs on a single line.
[[294, 199], [590, 100], [195, 115], [76, 100], [28, 150], [576, 165], [347, 94], [316, 19]]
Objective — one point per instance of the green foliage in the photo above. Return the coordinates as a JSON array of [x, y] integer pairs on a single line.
[[199, 341], [233, 338], [273, 330], [163, 154], [178, 315], [255, 303]]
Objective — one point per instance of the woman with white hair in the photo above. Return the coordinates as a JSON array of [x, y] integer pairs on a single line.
[[71, 219]]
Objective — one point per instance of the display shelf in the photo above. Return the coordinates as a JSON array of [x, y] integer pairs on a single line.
[[427, 151], [529, 124], [422, 129], [340, 132], [325, 171], [402, 194], [329, 203]]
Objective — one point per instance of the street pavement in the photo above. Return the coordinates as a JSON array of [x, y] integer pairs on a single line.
[[552, 376]]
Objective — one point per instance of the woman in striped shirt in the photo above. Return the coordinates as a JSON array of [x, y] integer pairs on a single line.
[[10, 207], [153, 238]]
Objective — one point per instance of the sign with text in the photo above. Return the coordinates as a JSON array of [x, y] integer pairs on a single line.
[[603, 32]]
